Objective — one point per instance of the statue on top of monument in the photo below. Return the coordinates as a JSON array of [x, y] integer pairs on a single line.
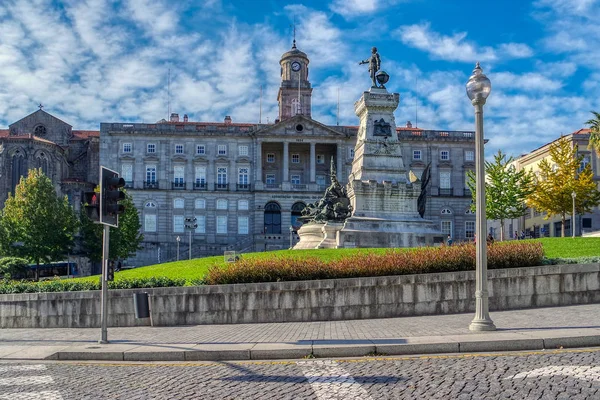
[[374, 64]]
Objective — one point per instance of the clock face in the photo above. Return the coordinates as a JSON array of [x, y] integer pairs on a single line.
[[296, 66]]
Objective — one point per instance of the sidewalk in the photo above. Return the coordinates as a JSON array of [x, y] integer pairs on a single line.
[[532, 329]]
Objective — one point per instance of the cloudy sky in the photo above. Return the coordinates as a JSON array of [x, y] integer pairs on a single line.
[[92, 61]]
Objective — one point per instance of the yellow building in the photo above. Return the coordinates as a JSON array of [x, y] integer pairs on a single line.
[[534, 224]]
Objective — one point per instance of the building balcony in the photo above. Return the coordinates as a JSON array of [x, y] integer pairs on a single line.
[[150, 185], [200, 186], [178, 185], [272, 186], [446, 192], [243, 187], [299, 186], [128, 184], [221, 186]]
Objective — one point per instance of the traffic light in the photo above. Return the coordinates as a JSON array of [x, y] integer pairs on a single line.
[[110, 185], [110, 271], [92, 205], [190, 223]]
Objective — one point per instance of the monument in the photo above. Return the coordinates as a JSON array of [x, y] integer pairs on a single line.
[[385, 201]]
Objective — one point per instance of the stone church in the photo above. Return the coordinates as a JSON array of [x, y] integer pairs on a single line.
[[242, 186], [70, 158]]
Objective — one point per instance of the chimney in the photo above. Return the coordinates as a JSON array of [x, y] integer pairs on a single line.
[[227, 120], [185, 118], [174, 117], [408, 124]]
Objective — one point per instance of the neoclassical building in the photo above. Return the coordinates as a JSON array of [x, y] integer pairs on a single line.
[[70, 158], [537, 224], [246, 184]]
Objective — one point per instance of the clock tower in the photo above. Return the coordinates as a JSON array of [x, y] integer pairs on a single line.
[[295, 92]]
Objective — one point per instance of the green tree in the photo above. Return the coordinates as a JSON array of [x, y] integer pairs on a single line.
[[594, 125], [35, 223], [124, 240], [558, 178], [505, 190]]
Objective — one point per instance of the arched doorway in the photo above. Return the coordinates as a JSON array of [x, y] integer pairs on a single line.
[[272, 218], [297, 212]]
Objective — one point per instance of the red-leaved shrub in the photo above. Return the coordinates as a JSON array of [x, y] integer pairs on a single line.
[[393, 262]]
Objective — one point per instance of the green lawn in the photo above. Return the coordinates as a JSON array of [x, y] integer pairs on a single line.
[[571, 247], [196, 268]]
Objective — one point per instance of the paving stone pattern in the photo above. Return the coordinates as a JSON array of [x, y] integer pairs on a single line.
[[566, 375], [581, 316]]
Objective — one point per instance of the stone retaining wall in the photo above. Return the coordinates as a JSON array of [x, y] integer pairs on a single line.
[[336, 299]]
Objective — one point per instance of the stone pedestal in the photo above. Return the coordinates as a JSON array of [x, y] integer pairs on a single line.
[[316, 235], [384, 201]]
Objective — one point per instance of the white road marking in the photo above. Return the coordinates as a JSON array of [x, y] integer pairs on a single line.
[[27, 380], [46, 395], [582, 372], [330, 381], [37, 367]]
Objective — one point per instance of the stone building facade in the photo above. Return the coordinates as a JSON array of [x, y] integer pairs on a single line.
[[536, 224], [70, 158], [246, 184]]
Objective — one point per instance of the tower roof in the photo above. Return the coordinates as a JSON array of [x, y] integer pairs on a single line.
[[294, 52]]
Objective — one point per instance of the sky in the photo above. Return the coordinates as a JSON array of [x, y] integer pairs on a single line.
[[93, 61]]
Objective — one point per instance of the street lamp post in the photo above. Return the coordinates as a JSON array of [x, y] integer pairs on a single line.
[[573, 195], [478, 89], [291, 237], [178, 240]]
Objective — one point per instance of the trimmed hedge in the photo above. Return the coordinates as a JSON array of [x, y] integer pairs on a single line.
[[66, 285], [393, 262]]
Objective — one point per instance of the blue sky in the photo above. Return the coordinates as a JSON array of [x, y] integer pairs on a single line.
[[92, 61]]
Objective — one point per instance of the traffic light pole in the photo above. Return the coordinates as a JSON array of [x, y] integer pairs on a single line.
[[104, 298]]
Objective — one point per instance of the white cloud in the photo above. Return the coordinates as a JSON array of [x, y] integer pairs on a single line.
[[531, 81], [456, 47], [450, 48], [516, 50]]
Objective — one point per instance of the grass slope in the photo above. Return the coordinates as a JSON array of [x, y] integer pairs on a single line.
[[197, 268]]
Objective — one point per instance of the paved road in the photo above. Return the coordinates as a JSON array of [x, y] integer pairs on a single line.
[[566, 374]]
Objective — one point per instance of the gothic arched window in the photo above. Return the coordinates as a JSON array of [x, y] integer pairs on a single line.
[[19, 168], [272, 218]]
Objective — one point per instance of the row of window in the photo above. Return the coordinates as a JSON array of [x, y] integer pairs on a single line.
[[151, 148], [220, 204], [445, 155], [243, 225], [222, 151], [446, 228], [243, 177]]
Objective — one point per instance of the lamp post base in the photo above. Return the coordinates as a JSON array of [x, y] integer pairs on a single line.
[[480, 325]]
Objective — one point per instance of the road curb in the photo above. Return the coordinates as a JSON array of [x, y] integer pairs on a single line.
[[272, 351]]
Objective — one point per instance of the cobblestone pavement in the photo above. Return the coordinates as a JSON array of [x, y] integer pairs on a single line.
[[291, 332], [563, 374]]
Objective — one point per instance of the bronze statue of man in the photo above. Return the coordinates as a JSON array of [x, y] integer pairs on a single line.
[[374, 64]]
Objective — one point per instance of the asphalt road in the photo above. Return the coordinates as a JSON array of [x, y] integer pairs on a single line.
[[562, 374]]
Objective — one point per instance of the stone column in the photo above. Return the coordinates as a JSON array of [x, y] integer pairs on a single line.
[[286, 162], [232, 178], [313, 163], [258, 169], [340, 172]]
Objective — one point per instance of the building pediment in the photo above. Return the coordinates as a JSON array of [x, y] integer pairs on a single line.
[[298, 125], [44, 126]]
